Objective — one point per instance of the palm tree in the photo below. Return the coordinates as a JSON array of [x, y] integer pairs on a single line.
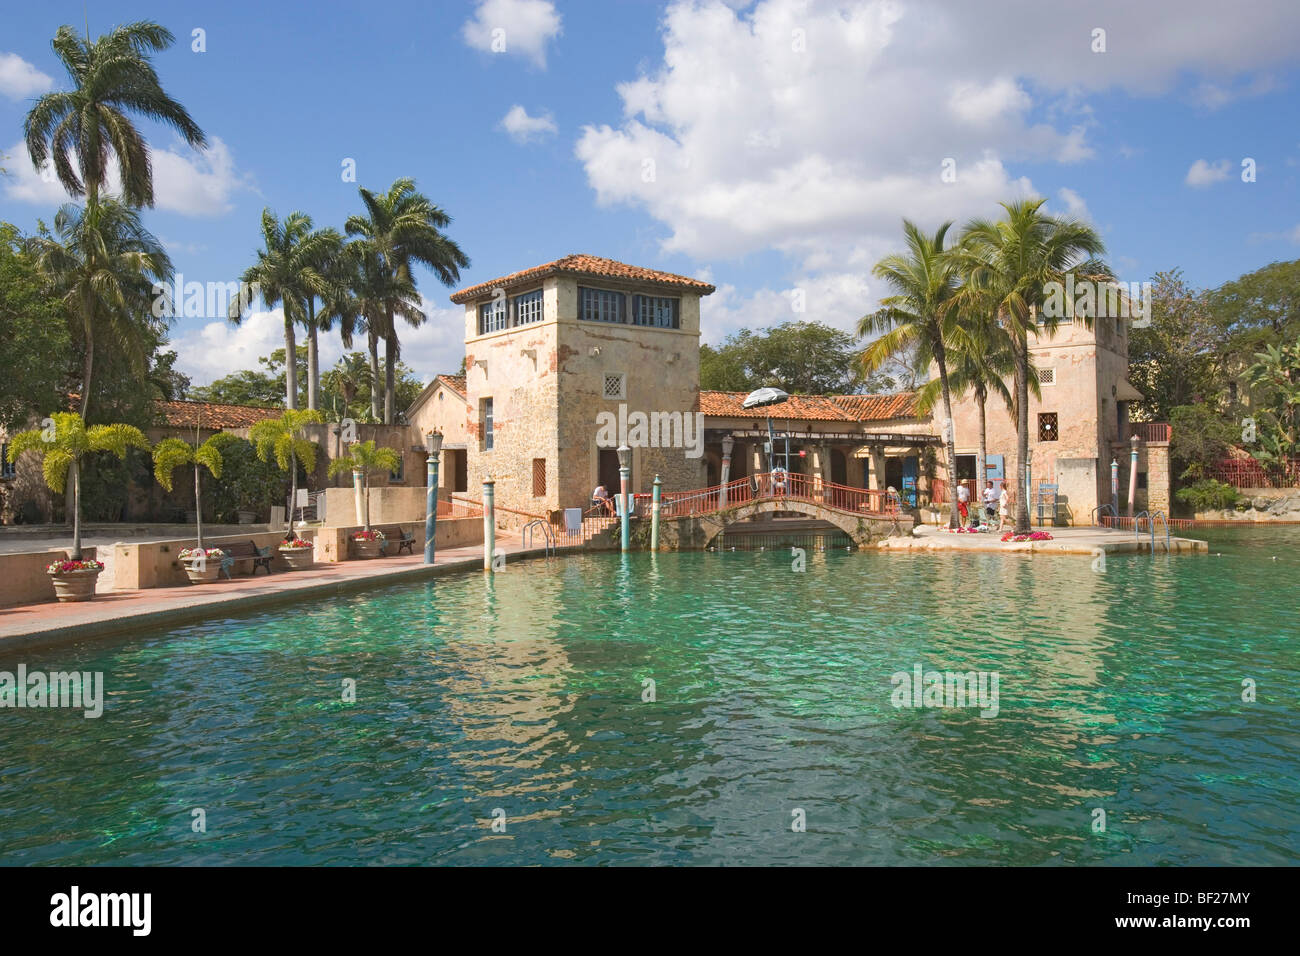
[[1013, 263], [330, 244], [62, 445], [921, 314], [364, 457], [171, 453], [285, 438], [103, 268], [112, 79], [349, 377], [401, 228], [286, 273]]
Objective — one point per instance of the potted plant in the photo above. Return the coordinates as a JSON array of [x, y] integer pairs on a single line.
[[62, 443], [169, 454], [285, 439], [362, 459], [368, 543], [202, 565], [298, 553], [74, 580]]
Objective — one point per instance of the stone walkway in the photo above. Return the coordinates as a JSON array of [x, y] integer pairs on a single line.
[[126, 611], [1064, 541]]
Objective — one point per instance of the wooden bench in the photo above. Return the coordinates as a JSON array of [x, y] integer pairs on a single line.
[[396, 534], [239, 553]]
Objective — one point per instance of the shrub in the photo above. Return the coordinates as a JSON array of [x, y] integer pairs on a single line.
[[1208, 495]]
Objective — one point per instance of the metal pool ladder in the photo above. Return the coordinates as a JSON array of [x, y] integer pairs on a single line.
[[548, 539], [1151, 517], [1106, 507]]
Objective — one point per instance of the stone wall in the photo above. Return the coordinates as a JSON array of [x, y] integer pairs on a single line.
[[23, 579]]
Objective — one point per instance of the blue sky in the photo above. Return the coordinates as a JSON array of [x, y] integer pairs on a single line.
[[788, 138]]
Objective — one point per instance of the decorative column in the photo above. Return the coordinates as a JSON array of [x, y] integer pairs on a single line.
[[1114, 486], [654, 516], [489, 522], [1132, 475], [356, 498], [433, 445], [624, 476], [728, 443]]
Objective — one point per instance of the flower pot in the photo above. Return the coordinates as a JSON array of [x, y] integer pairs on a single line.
[[367, 549], [202, 573], [75, 585], [298, 559]]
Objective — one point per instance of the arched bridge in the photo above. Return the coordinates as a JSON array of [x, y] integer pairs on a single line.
[[692, 519]]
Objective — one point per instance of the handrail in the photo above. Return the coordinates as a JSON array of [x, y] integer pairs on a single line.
[[1151, 526], [1093, 513], [1165, 521], [548, 540]]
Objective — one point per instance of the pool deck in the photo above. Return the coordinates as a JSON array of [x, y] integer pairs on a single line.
[[1087, 541], [123, 612]]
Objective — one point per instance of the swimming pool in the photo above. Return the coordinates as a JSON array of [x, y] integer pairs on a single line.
[[521, 698]]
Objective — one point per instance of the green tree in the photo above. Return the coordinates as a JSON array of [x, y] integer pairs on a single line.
[[247, 482], [34, 334], [62, 443], [402, 228], [1013, 262], [103, 269], [170, 453], [348, 384], [922, 314], [287, 271], [366, 458], [113, 79], [245, 387], [1274, 380], [1174, 361], [285, 440], [1258, 309], [806, 358], [1200, 437]]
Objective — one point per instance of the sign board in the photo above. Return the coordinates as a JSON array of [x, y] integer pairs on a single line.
[[301, 500]]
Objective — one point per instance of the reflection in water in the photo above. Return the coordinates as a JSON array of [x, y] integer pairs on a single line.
[[522, 690]]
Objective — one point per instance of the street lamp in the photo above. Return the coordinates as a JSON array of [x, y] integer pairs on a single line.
[[624, 474], [760, 398], [728, 443], [433, 446]]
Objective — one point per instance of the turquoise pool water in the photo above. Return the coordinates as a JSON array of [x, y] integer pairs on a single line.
[[523, 694]]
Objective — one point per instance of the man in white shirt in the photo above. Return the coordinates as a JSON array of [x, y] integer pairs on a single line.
[[990, 502], [963, 503]]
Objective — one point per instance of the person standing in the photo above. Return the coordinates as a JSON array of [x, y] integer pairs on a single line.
[[963, 504], [990, 502], [1005, 503]]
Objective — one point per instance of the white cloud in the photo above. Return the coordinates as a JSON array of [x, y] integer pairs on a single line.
[[185, 181], [522, 128], [521, 27], [1203, 173], [1074, 204], [215, 348], [19, 79]]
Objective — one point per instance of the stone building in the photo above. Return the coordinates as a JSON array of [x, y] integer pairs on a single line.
[[567, 360]]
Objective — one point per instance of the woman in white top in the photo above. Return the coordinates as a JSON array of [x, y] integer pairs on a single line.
[[1006, 501]]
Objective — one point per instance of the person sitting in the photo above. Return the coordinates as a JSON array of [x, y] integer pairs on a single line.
[[601, 498]]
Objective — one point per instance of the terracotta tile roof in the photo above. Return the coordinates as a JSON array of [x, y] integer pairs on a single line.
[[814, 408], [454, 382], [584, 265], [213, 415]]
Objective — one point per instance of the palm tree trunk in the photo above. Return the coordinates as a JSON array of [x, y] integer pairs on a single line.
[[1021, 350], [198, 510], [290, 363], [949, 439], [76, 510], [313, 360], [365, 494], [293, 491], [88, 362], [390, 371], [981, 462], [376, 410]]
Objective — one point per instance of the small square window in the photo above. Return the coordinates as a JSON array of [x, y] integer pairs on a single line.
[[1047, 426], [615, 385], [1047, 376], [539, 477]]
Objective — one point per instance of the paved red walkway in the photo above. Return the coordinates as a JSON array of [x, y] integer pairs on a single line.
[[119, 611]]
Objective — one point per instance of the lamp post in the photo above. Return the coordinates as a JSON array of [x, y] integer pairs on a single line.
[[728, 443], [654, 515], [433, 445], [624, 474], [1132, 475], [489, 523]]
